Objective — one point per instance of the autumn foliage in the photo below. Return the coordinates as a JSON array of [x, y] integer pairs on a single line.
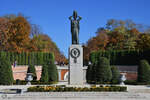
[[118, 35], [15, 36]]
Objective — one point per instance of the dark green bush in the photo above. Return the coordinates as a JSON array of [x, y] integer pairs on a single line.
[[103, 70], [99, 71], [52, 69], [18, 82], [6, 76], [144, 72], [89, 73], [130, 82], [115, 75], [44, 75], [122, 57]]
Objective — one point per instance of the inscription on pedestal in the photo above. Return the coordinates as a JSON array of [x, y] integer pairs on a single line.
[[75, 53]]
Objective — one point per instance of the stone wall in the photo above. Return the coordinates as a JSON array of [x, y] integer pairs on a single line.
[[130, 75], [19, 72]]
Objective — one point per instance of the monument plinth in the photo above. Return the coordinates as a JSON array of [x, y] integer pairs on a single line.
[[76, 65], [75, 53]]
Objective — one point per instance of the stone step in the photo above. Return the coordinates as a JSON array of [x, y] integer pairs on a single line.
[[78, 96], [81, 94]]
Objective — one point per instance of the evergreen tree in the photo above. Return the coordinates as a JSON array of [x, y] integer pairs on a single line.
[[103, 70], [52, 69], [44, 76], [115, 74], [89, 74], [31, 69], [144, 71], [6, 76]]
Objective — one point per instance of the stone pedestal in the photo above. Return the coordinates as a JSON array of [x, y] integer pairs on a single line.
[[76, 65]]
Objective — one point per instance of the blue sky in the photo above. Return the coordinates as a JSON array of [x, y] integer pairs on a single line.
[[52, 15]]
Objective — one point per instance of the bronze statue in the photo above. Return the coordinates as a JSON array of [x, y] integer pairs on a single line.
[[75, 27]]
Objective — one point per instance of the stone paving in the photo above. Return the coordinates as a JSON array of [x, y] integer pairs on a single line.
[[134, 93]]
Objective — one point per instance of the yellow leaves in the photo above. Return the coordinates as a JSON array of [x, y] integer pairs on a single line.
[[19, 34], [49, 88]]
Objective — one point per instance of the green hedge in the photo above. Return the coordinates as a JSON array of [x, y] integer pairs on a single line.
[[26, 58], [77, 89], [134, 82], [121, 57]]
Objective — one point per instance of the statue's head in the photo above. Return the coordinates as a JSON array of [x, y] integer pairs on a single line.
[[75, 15]]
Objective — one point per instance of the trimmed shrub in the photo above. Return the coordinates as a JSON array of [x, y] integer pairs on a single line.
[[52, 70], [52, 73], [131, 82], [40, 58], [123, 57], [26, 58], [89, 74], [6, 76], [115, 75], [144, 71], [31, 69], [103, 70], [18, 82], [91, 71], [44, 76], [77, 89]]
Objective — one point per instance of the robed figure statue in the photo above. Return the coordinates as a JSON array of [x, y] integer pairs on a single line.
[[75, 27]]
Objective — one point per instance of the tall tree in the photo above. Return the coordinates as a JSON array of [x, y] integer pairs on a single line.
[[117, 35], [35, 30], [19, 34], [44, 43], [143, 42], [96, 43], [4, 33]]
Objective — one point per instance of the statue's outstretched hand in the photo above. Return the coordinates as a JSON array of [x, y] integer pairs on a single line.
[[79, 18], [70, 18]]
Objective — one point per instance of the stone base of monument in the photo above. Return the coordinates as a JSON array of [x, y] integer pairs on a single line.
[[11, 91], [76, 65]]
